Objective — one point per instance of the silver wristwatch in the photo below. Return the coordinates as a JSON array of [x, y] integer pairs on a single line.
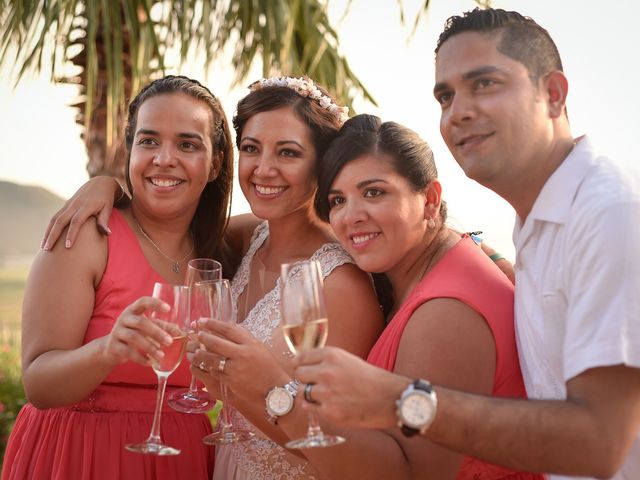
[[279, 400], [416, 408]]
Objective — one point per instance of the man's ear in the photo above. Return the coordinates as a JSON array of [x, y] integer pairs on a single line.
[[557, 87]]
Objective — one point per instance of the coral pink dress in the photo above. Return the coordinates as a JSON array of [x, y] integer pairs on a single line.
[[86, 440], [468, 275]]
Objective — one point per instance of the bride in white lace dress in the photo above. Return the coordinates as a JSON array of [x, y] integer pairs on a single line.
[[280, 136]]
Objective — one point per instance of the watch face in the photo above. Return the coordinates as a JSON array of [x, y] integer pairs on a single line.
[[279, 401], [416, 409]]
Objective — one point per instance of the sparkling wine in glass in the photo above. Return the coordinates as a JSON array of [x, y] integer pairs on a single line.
[[174, 322], [193, 399], [221, 307], [304, 323]]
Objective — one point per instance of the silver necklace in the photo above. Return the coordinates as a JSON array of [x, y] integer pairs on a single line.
[[175, 263]]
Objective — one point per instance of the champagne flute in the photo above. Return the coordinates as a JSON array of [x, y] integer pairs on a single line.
[[195, 400], [304, 323], [221, 307], [174, 322]]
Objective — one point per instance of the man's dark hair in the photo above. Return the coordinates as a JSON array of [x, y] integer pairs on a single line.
[[521, 38]]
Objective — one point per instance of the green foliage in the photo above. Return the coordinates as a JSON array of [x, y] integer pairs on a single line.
[[214, 413], [120, 45], [12, 282], [11, 392]]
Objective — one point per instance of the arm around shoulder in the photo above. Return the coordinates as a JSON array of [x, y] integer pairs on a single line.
[[240, 230]]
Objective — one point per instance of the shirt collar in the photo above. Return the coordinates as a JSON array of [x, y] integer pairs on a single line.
[[553, 203]]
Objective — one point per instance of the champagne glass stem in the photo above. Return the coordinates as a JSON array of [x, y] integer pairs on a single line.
[[224, 413], [193, 386], [313, 429], [154, 436]]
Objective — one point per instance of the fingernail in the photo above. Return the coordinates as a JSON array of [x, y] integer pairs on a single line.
[[167, 340], [107, 230], [159, 354], [46, 246], [165, 307], [67, 244]]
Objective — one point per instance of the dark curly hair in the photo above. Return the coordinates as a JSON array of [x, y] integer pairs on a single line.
[[521, 38]]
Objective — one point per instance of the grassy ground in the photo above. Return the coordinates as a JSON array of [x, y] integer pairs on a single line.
[[12, 281]]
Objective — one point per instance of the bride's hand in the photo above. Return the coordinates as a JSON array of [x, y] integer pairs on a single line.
[[95, 198], [250, 368]]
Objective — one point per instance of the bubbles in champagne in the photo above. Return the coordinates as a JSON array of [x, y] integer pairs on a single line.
[[305, 336]]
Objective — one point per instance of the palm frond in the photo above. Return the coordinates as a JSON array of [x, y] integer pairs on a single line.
[[119, 45]]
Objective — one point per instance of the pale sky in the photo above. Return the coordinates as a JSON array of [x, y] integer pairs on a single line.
[[598, 42]]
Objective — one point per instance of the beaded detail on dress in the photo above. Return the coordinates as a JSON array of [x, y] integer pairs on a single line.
[[261, 458]]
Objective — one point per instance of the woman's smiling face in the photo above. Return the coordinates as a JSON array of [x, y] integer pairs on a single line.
[[171, 154], [376, 213], [277, 164]]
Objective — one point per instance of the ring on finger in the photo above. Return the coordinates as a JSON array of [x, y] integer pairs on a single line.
[[221, 364], [307, 393], [203, 366]]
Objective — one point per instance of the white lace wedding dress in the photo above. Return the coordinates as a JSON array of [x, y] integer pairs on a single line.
[[261, 458]]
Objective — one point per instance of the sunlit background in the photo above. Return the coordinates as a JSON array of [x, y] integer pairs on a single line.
[[599, 41]]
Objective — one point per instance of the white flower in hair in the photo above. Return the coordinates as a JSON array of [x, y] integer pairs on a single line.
[[307, 89]]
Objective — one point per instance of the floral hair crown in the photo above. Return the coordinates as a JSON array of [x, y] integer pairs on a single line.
[[304, 87]]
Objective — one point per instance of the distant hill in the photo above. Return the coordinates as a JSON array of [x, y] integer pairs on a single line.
[[24, 214]]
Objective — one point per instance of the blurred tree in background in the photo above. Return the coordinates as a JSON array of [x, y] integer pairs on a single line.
[[119, 45]]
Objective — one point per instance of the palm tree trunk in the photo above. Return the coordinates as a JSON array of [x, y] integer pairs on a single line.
[[104, 157]]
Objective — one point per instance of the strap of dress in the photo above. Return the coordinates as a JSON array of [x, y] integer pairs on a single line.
[[241, 278], [330, 256]]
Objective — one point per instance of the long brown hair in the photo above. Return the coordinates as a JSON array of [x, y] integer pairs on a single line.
[[210, 221]]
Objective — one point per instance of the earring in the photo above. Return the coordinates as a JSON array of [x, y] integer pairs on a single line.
[[431, 223]]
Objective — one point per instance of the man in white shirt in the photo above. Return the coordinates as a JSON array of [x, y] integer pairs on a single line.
[[500, 84]]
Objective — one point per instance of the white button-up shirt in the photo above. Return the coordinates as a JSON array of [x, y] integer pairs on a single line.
[[577, 296]]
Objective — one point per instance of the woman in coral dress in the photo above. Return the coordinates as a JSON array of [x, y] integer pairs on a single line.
[[452, 315], [86, 340]]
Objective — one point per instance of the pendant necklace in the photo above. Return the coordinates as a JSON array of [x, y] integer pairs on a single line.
[[175, 264]]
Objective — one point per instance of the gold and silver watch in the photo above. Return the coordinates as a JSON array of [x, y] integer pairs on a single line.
[[279, 401], [416, 408]]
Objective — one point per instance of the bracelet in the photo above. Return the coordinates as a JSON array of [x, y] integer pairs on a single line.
[[496, 256], [475, 236], [122, 193]]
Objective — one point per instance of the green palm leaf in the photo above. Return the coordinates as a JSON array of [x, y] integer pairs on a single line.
[[118, 45]]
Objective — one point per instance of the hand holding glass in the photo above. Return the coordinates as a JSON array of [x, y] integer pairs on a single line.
[[214, 300], [174, 322], [195, 400], [304, 322]]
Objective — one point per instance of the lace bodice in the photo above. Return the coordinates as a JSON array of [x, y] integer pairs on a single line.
[[261, 458]]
